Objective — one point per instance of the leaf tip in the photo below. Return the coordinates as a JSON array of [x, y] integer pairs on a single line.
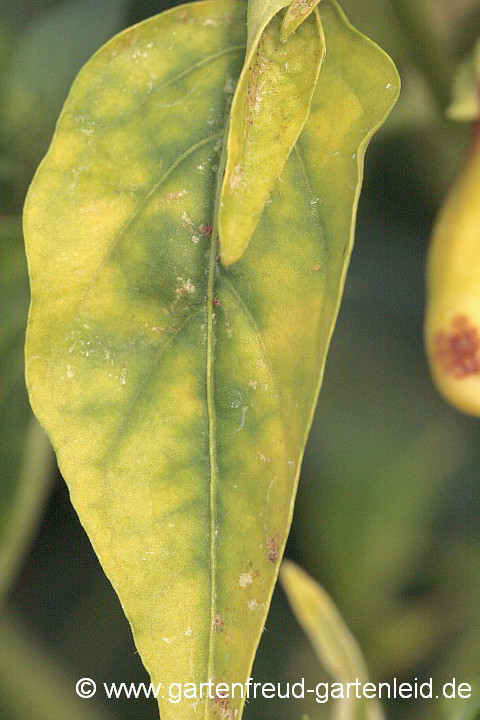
[[230, 258]]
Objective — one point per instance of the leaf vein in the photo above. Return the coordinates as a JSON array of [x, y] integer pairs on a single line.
[[238, 298], [121, 232], [200, 64]]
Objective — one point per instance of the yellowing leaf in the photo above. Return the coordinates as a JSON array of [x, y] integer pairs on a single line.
[[269, 110], [179, 393], [335, 646]]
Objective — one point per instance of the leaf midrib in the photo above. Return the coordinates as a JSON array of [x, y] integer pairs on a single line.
[[211, 414]]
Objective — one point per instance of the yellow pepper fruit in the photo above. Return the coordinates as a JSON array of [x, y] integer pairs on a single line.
[[452, 321]]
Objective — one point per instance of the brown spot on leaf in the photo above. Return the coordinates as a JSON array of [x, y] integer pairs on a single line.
[[125, 40], [206, 229], [458, 352], [184, 16], [218, 623], [221, 705], [236, 178], [256, 84], [216, 302], [272, 549], [186, 288], [316, 268], [299, 8], [174, 196], [245, 580]]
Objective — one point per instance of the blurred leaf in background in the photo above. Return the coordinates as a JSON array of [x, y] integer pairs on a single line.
[[335, 646], [25, 455], [45, 58]]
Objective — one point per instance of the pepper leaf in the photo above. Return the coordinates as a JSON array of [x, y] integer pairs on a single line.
[[178, 393]]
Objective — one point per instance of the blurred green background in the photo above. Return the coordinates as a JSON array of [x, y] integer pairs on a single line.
[[388, 510]]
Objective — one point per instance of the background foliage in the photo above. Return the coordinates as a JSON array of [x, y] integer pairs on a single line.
[[388, 507]]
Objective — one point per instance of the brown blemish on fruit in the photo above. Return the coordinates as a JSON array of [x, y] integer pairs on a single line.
[[458, 352], [272, 549], [218, 623], [316, 268]]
